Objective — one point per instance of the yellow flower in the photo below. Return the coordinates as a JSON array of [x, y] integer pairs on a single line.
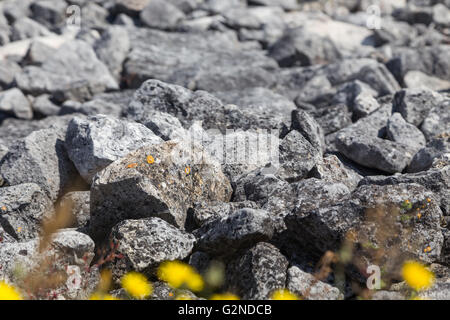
[[224, 296], [284, 294], [136, 285], [177, 274], [8, 292], [99, 296], [417, 276], [150, 159]]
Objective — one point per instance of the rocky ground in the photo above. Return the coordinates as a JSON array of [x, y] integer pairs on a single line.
[[118, 120]]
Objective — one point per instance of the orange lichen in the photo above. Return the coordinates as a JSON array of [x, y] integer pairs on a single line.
[[427, 249], [132, 165]]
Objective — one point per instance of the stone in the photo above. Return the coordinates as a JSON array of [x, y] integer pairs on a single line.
[[26, 28], [424, 158], [145, 243], [400, 131], [112, 49], [147, 183], [8, 69], [308, 287], [415, 104], [161, 15], [333, 118], [40, 158], [363, 105], [257, 273], [23, 208], [43, 106], [243, 229], [95, 142], [309, 128], [285, 4], [78, 205], [72, 72], [437, 122], [49, 12], [417, 79], [14, 102]]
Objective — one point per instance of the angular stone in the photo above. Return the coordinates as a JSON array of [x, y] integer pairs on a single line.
[[226, 236], [147, 183], [161, 14], [309, 128], [145, 243], [308, 287], [44, 107], [423, 159], [437, 122], [8, 69], [257, 273], [23, 208], [26, 28], [14, 102], [400, 131], [95, 142], [40, 158]]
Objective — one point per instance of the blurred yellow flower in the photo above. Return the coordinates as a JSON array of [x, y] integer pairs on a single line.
[[224, 296], [417, 276], [177, 274], [284, 294], [136, 285], [150, 159], [8, 292], [99, 296]]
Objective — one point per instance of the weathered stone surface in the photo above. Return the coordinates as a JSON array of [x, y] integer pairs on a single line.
[[42, 159], [25, 28], [14, 102], [161, 15], [437, 122], [7, 71], [139, 186], [423, 159], [44, 107], [145, 243], [95, 142], [309, 128], [400, 131], [72, 72], [257, 272], [23, 208], [240, 230], [415, 104], [308, 287]]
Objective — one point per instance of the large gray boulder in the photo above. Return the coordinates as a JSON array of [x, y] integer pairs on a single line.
[[14, 102]]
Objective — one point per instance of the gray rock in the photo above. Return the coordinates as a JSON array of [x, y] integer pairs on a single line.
[[49, 12], [309, 128], [161, 15], [145, 243], [331, 169], [78, 204], [297, 157], [112, 49], [308, 287], [72, 72], [285, 4], [42, 159], [241, 230], [23, 208], [440, 291], [13, 102], [26, 28], [137, 187], [131, 6], [257, 273], [300, 48], [363, 105], [418, 79], [437, 122], [333, 118], [95, 142], [415, 104], [367, 212], [7, 71], [400, 131], [423, 159], [43, 106]]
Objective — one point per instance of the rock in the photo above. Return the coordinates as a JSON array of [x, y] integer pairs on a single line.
[[161, 15], [147, 183], [26, 28], [400, 131], [333, 118], [49, 12], [78, 204], [22, 210], [145, 243], [374, 152], [437, 121], [203, 214], [415, 104], [112, 49], [72, 72], [300, 48], [257, 272], [285, 4], [440, 291], [7, 71], [308, 287], [44, 107], [42, 159], [418, 79], [365, 214], [331, 169], [13, 101], [297, 157], [95, 142], [241, 230], [309, 128], [131, 6], [363, 105], [424, 158]]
